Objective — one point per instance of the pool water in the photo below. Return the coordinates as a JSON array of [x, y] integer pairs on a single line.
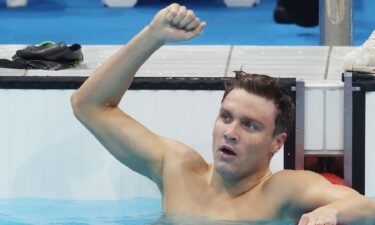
[[67, 212], [138, 211]]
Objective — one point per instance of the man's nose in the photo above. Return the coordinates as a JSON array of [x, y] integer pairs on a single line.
[[231, 135]]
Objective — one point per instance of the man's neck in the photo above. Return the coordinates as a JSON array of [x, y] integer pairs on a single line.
[[233, 188]]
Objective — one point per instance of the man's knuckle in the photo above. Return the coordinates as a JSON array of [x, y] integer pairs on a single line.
[[190, 14]]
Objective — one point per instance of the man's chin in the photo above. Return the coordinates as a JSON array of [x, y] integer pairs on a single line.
[[225, 170]]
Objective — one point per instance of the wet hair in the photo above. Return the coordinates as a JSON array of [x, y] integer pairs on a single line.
[[269, 88]]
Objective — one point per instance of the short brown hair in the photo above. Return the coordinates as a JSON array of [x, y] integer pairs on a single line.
[[269, 88]]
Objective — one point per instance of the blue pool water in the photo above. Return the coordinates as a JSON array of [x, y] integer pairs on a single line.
[[137, 211], [68, 212]]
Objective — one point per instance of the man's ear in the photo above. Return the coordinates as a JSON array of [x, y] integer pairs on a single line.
[[278, 142]]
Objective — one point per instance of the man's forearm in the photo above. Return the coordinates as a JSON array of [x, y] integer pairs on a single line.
[[110, 81], [355, 209], [108, 84]]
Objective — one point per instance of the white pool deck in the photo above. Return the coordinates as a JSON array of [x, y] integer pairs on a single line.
[[314, 64]]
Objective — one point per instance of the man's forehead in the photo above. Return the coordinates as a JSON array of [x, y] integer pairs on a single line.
[[249, 105], [242, 96]]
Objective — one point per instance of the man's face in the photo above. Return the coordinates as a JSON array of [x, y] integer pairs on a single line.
[[243, 141]]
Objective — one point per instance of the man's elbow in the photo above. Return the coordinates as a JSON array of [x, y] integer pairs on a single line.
[[78, 105], [84, 109]]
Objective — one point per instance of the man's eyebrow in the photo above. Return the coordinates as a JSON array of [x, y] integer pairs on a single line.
[[244, 118], [249, 119], [223, 110]]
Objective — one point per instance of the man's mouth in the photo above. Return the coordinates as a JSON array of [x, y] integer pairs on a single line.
[[227, 150]]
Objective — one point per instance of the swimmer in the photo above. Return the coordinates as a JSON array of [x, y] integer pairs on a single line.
[[362, 59], [251, 127]]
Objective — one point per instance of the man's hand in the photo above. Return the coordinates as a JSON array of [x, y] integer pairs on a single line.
[[175, 23], [321, 216]]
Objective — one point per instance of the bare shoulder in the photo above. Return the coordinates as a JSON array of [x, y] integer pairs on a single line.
[[183, 157], [291, 177], [294, 181], [280, 184]]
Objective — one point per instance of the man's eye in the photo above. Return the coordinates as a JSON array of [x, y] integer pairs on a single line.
[[252, 126], [225, 117]]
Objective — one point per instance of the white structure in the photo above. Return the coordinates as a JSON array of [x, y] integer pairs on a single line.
[[119, 3], [16, 3], [241, 3]]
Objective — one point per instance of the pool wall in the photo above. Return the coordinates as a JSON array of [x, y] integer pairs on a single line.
[[47, 153]]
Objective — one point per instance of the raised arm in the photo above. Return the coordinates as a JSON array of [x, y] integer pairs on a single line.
[[95, 103]]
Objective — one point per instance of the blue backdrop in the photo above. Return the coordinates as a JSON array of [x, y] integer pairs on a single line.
[[89, 22]]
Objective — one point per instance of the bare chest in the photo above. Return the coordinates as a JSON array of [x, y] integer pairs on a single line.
[[191, 196]]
